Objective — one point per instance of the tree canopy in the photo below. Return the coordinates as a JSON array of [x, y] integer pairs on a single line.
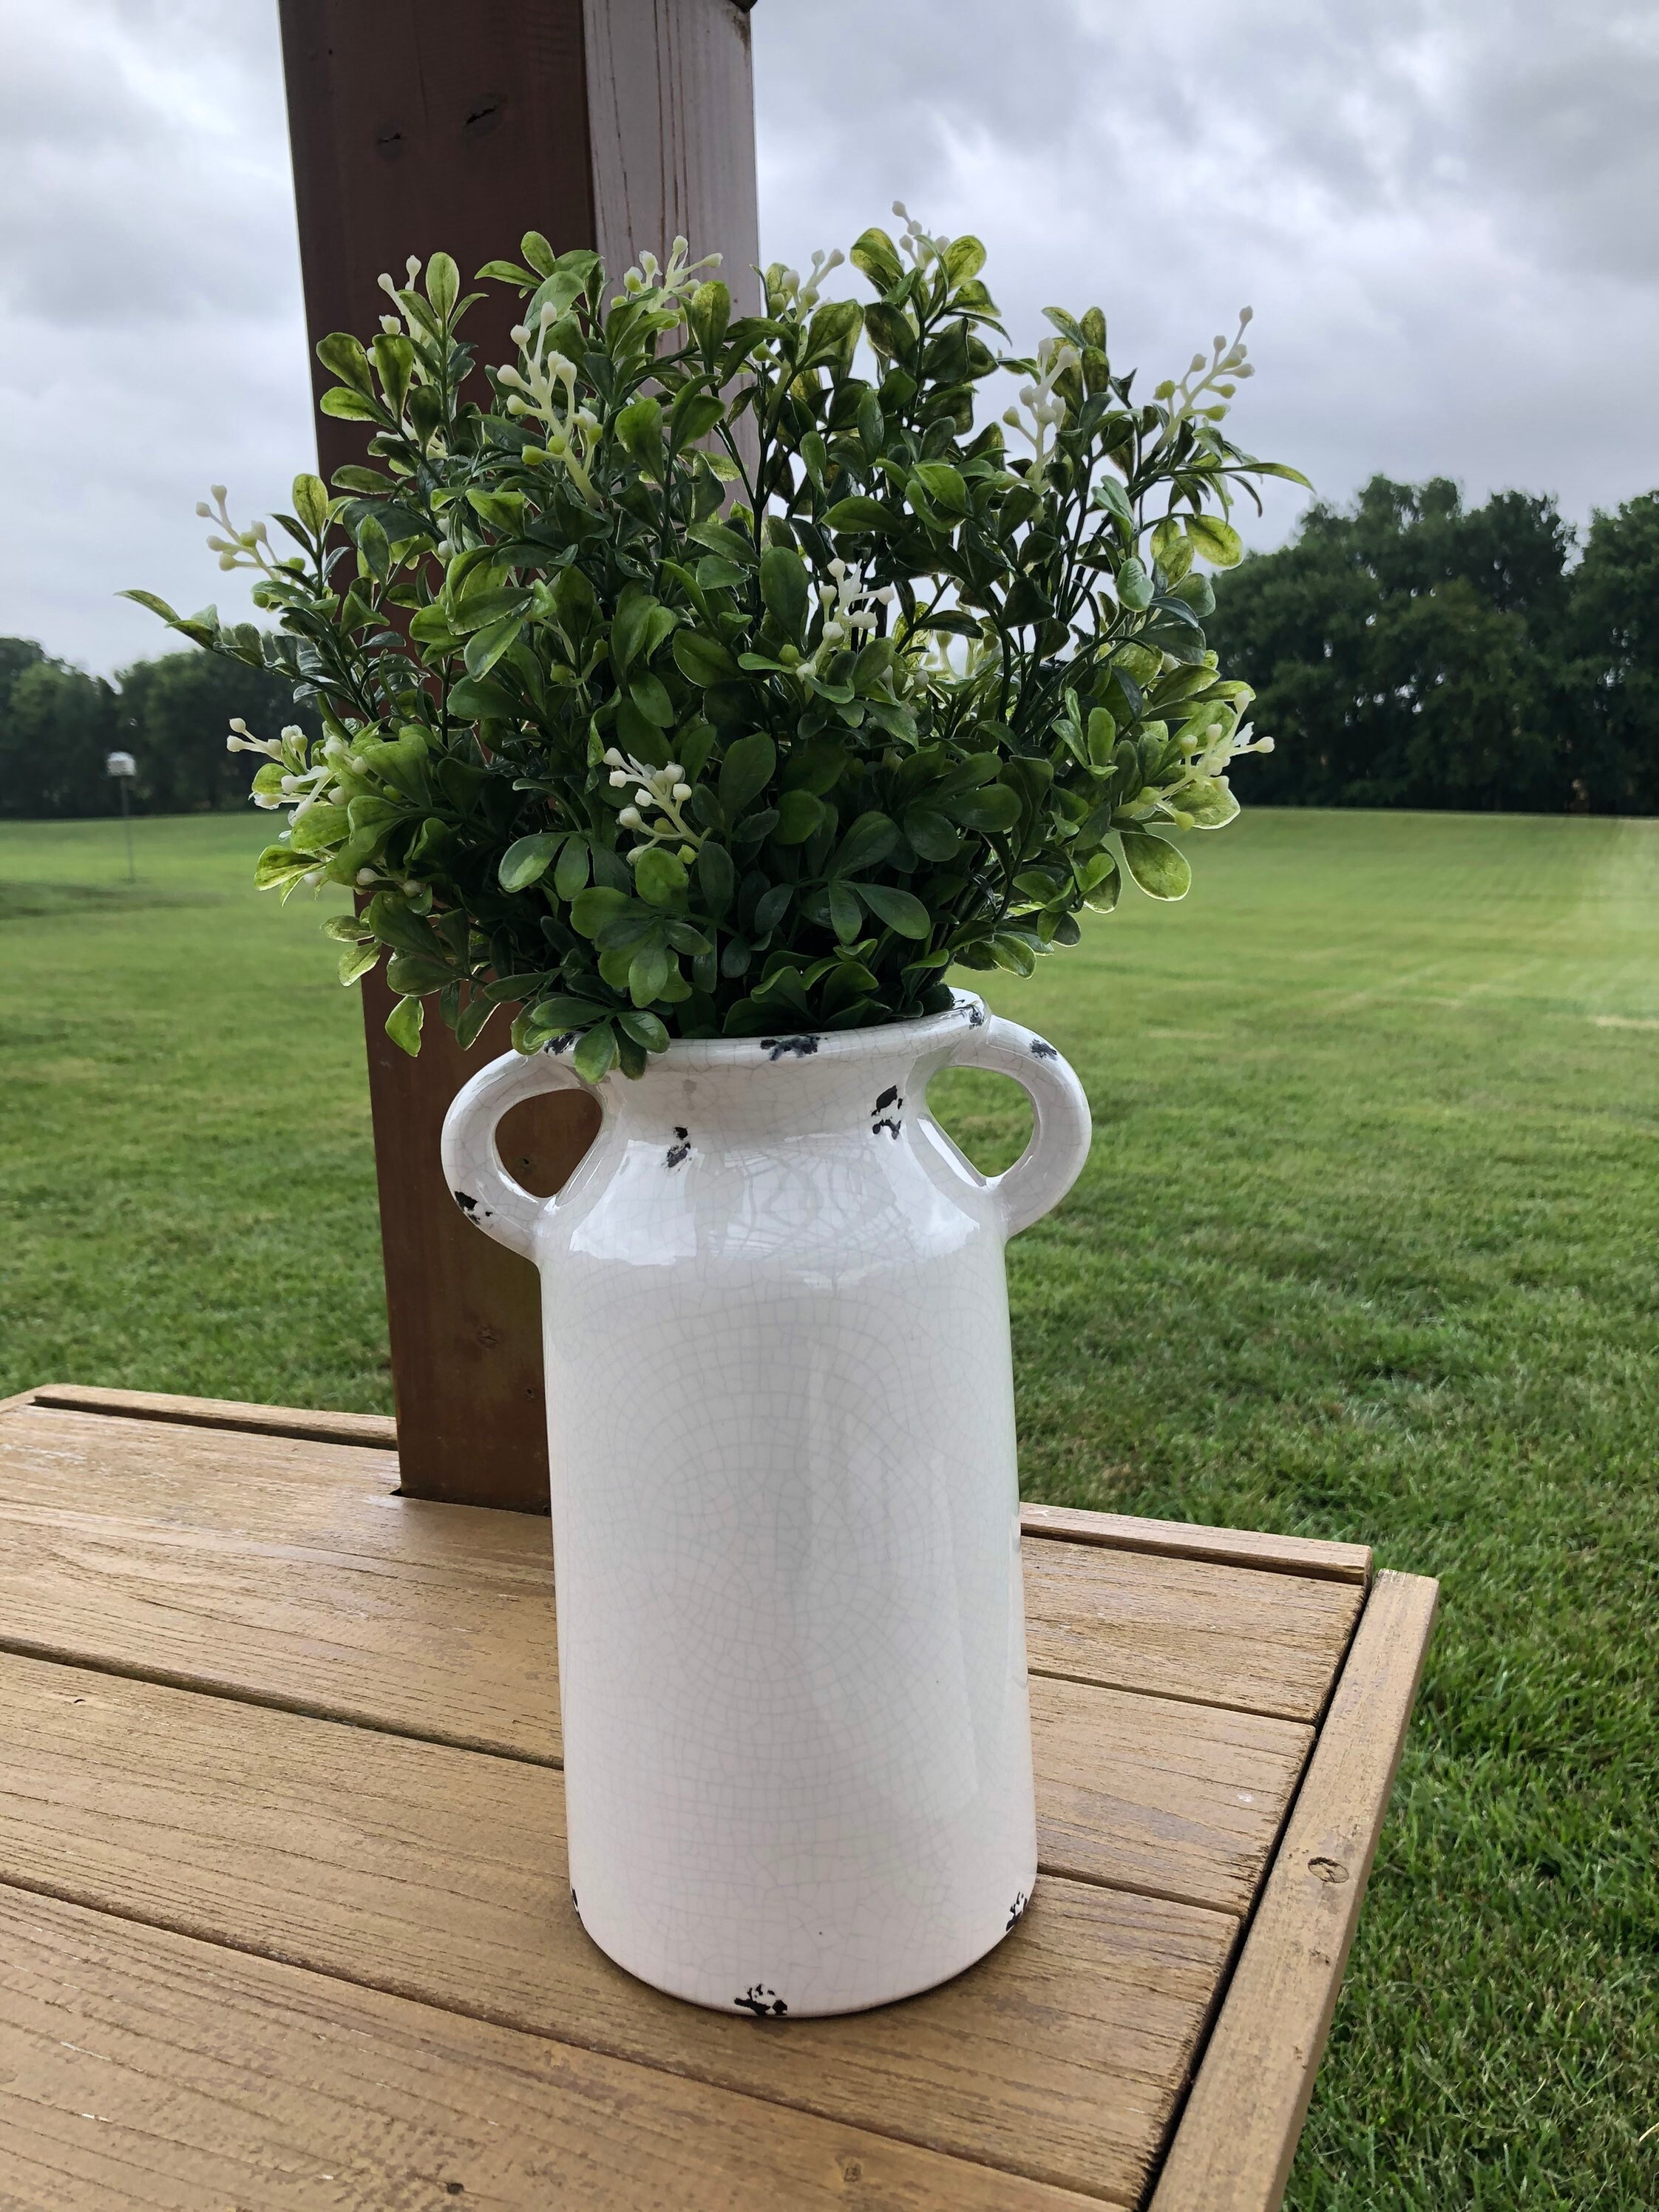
[[58, 727], [1409, 651]]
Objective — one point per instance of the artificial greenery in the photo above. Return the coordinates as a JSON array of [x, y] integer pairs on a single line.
[[698, 677]]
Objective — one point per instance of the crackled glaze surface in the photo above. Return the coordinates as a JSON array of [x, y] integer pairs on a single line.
[[785, 1513]]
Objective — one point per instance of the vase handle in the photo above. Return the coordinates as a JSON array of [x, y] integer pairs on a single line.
[[1060, 1125], [480, 1185]]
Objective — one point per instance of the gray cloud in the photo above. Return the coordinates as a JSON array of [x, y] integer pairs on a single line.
[[1446, 220]]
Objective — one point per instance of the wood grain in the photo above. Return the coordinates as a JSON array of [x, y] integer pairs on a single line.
[[370, 1429], [1178, 1801], [1182, 1539], [142, 2069], [1239, 2135], [440, 1875], [1186, 1628], [320, 1614]]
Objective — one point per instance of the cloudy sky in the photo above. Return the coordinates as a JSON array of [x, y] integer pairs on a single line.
[[1446, 219]]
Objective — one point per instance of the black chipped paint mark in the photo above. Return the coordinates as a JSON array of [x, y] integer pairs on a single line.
[[1040, 1049], [559, 1045], [800, 1047], [575, 1907], [765, 2003], [975, 1018], [1016, 1912], [680, 1150], [470, 1207], [884, 1120]]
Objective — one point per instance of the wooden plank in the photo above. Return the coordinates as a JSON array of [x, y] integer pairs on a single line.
[[1182, 1539], [671, 106], [1186, 1628], [289, 1575], [1215, 1635], [143, 2069], [416, 127], [1177, 1801], [372, 1430], [440, 1875], [1238, 2136]]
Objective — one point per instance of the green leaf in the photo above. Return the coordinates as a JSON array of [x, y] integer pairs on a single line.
[[709, 312], [639, 427], [1208, 804], [1218, 542], [771, 906], [746, 772], [846, 915], [403, 1025], [887, 330], [1134, 586], [716, 877], [596, 1056], [798, 816], [701, 659], [485, 647], [356, 960], [528, 859], [658, 877], [417, 973], [349, 406], [856, 514], [964, 258], [943, 485], [443, 285], [156, 606], [279, 865], [591, 909], [647, 972], [900, 910], [343, 356], [695, 416], [991, 811], [311, 503], [1159, 867], [875, 256], [1101, 883], [571, 869], [786, 590], [932, 833], [644, 1029], [870, 840], [1012, 952]]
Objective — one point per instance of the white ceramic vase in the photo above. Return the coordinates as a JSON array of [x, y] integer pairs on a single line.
[[785, 1520]]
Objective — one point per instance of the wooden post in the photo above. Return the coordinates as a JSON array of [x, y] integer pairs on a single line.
[[614, 124]]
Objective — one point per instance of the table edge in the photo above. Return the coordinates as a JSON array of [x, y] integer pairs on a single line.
[[1234, 2141]]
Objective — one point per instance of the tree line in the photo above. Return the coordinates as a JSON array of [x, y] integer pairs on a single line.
[[1406, 651], [58, 727]]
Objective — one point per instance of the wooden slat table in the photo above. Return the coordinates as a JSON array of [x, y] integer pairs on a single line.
[[283, 1914]]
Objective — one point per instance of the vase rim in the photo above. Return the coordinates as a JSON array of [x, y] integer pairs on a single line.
[[799, 1046]]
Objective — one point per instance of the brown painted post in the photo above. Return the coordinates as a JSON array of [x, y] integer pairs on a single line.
[[418, 125]]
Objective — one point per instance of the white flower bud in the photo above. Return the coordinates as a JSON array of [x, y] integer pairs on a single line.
[[239, 725], [630, 818], [313, 877], [672, 773], [519, 333], [203, 509], [412, 267], [644, 798], [391, 325], [1245, 314], [365, 875], [619, 778], [227, 560], [409, 889], [613, 758], [219, 492], [682, 791]]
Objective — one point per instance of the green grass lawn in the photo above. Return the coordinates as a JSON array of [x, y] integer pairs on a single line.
[[1366, 1249]]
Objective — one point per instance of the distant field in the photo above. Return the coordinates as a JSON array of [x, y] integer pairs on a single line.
[[1366, 1249]]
